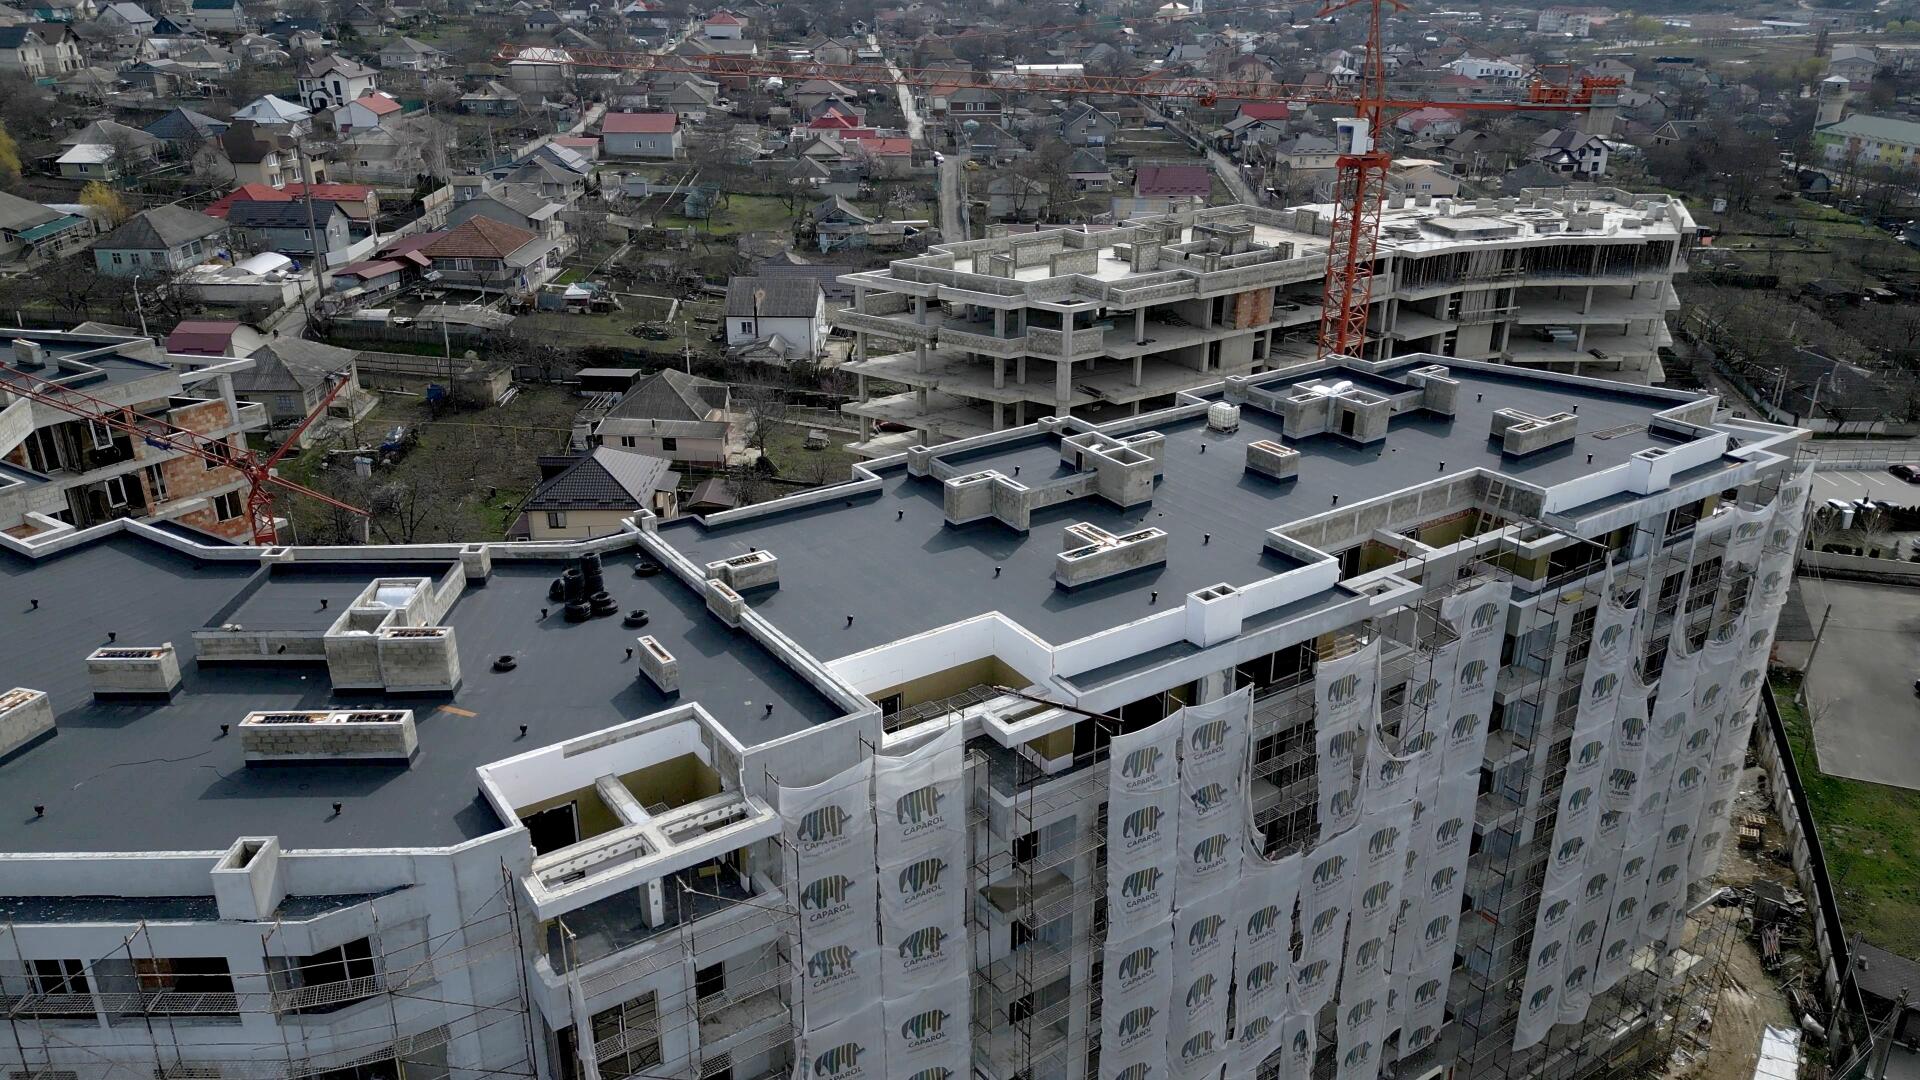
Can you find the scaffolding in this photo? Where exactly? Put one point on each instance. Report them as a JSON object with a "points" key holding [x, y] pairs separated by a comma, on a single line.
{"points": [[391, 971]]}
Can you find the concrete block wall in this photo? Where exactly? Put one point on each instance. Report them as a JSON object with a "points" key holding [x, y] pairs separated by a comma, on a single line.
{"points": [[1523, 433], [754, 570], [724, 602], [353, 660], [418, 658], [1273, 459], [25, 715], [1115, 555], [131, 669], [330, 736], [658, 664], [969, 497]]}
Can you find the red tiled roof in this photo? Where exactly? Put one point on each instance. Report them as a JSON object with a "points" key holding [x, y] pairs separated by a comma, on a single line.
{"points": [[246, 193], [834, 118], [638, 123], [1266, 110], [478, 238], [724, 18], [886, 147], [1174, 180], [202, 337], [377, 104]]}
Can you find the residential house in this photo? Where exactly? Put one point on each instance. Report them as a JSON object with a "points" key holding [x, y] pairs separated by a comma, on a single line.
{"points": [[1864, 139], [158, 242], [260, 50], [1433, 121], [694, 98], [971, 103], [407, 54], [1468, 151], [250, 154], [1495, 71], [1168, 189], [302, 229], [838, 52], [127, 18], [291, 376], [519, 205], [60, 11], [813, 92], [370, 19], [490, 98], [562, 179], [786, 314], [1087, 170], [220, 16], [214, 337], [183, 130], [275, 112], [1560, 19], [394, 153], [369, 110], [90, 161], [493, 256], [673, 415], [1572, 152], [1422, 176], [1855, 63], [640, 135], [1084, 125], [724, 25], [39, 51], [590, 495], [31, 232], [331, 80], [1012, 197]]}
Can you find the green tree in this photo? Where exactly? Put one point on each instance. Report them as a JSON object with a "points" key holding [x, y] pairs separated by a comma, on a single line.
{"points": [[9, 156], [105, 201]]}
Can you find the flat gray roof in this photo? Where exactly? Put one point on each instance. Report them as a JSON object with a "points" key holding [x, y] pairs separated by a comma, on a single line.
{"points": [[146, 776], [892, 562]]}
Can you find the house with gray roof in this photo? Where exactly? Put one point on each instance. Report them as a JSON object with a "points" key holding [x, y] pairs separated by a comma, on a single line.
{"points": [[29, 230], [294, 228], [672, 415], [290, 376], [159, 241], [785, 315], [588, 495]]}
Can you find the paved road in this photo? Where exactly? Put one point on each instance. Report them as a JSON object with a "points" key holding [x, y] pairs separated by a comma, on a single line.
{"points": [[916, 126], [1866, 720], [953, 205], [1876, 484]]}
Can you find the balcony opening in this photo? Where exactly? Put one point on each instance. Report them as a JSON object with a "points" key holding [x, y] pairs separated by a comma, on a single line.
{"points": [[325, 981]]}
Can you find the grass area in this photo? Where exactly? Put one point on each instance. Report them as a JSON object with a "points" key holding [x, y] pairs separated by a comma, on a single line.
{"points": [[1871, 835], [739, 214], [1826, 243], [464, 479], [786, 448], [570, 275]]}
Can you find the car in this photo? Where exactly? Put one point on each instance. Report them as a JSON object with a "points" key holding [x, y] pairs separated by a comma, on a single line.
{"points": [[1909, 473]]}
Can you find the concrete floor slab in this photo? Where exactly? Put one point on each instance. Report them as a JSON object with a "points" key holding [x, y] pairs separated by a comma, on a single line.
{"points": [[1860, 687]]}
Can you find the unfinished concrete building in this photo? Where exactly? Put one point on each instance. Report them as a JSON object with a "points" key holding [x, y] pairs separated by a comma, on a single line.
{"points": [[990, 334], [60, 472], [902, 777]]}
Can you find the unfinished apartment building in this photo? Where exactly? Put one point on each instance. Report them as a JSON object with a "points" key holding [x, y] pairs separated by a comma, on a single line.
{"points": [[60, 472], [985, 335], [1012, 757]]}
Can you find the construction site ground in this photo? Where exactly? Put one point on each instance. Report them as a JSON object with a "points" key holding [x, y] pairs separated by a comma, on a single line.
{"points": [[1748, 999]]}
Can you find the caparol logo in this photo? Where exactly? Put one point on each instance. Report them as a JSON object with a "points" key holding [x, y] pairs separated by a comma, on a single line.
{"points": [[1142, 824], [1449, 830], [1205, 931], [1483, 616], [923, 1028], [1340, 804], [1360, 1013], [1261, 976], [1590, 752], [1263, 921], [1210, 852], [1465, 726], [823, 894], [1555, 913], [1310, 974], [1633, 730], [1596, 885], [1549, 953], [1584, 936], [1359, 1055], [938, 1072], [1208, 737], [1391, 770], [1437, 929], [1577, 799], [1570, 850], [1197, 1047], [1426, 992], [1626, 908], [1342, 744], [1442, 880], [1473, 673], [1612, 634], [1376, 896], [831, 962], [822, 825], [1367, 956], [1632, 867], [1255, 1030], [1137, 1071], [922, 945], [1201, 992], [922, 876], [1422, 694], [1575, 979], [1140, 883], [1541, 998], [1621, 781], [1208, 797], [842, 1061], [1342, 690], [1141, 764], [1324, 922], [1136, 1022], [919, 807], [1138, 964]]}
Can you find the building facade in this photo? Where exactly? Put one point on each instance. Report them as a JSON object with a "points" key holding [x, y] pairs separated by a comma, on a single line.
{"points": [[1414, 699], [991, 334], [60, 473]]}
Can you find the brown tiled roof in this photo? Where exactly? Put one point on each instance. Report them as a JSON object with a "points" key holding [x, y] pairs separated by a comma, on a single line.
{"points": [[478, 238]]}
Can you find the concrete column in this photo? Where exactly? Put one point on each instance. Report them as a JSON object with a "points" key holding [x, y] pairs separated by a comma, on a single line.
{"points": [[1020, 370], [920, 310], [999, 373], [1062, 387], [1140, 326], [860, 385], [1134, 410], [920, 398], [920, 357], [859, 345], [866, 428], [1139, 366], [999, 322], [999, 415], [1020, 413], [1586, 302], [1580, 339]]}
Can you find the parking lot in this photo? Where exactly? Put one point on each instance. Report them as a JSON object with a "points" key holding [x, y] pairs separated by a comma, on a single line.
{"points": [[1866, 718], [1876, 484]]}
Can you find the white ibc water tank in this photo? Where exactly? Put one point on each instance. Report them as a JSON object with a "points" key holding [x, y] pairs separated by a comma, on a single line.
{"points": [[1223, 417]]}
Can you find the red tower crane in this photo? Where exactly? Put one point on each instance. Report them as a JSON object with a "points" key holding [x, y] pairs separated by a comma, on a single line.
{"points": [[161, 435], [1361, 179]]}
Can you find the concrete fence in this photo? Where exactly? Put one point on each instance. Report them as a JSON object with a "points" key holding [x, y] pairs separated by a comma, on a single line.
{"points": [[1837, 565], [1789, 798]]}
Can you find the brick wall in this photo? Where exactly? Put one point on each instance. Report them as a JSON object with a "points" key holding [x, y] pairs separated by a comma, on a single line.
{"points": [[188, 476], [1252, 308]]}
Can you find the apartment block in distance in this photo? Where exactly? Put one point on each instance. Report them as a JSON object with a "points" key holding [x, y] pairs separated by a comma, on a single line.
{"points": [[60, 472], [1012, 757], [991, 334]]}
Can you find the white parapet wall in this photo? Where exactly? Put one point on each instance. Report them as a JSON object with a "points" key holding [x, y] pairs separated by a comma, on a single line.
{"points": [[122, 670]]}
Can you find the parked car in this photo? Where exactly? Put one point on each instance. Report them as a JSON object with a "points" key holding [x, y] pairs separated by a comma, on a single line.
{"points": [[1909, 473]]}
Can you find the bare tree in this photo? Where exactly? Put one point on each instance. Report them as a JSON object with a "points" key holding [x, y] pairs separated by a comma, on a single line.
{"points": [[759, 408]]}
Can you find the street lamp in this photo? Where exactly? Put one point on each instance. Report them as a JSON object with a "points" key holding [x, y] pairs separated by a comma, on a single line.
{"points": [[139, 308]]}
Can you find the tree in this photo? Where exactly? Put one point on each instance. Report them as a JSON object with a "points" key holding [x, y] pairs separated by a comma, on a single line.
{"points": [[106, 202], [10, 168], [760, 409]]}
